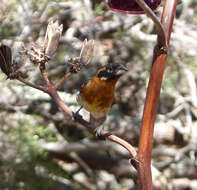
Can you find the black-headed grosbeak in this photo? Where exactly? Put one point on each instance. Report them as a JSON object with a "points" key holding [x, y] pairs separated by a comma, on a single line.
{"points": [[98, 94]]}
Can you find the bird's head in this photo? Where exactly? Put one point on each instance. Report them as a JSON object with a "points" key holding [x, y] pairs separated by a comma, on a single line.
{"points": [[111, 71]]}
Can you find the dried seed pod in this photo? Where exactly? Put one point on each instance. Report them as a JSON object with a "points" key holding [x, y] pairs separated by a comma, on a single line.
{"points": [[74, 65], [41, 54], [9, 67], [53, 34], [5, 59], [87, 52], [36, 54]]}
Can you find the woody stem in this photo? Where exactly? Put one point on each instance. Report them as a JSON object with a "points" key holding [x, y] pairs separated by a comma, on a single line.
{"points": [[31, 84], [152, 98]]}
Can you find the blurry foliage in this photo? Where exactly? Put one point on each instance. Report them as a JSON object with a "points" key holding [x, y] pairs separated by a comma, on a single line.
{"points": [[99, 9], [8, 30], [29, 167]]}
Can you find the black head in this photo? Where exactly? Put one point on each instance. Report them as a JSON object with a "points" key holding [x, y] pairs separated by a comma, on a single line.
{"points": [[111, 71]]}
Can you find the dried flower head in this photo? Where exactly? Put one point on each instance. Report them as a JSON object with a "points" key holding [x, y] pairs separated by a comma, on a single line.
{"points": [[53, 34], [74, 65], [36, 54], [9, 67], [86, 54], [41, 54]]}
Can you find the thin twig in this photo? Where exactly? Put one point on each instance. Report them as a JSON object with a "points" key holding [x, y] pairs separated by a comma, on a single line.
{"points": [[63, 79], [122, 142], [32, 85], [160, 29], [44, 75], [113, 138]]}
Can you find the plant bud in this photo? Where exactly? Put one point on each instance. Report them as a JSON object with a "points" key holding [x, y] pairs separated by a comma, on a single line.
{"points": [[131, 6]]}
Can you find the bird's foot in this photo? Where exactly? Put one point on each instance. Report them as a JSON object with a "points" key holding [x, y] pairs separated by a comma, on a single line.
{"points": [[76, 116], [98, 130]]}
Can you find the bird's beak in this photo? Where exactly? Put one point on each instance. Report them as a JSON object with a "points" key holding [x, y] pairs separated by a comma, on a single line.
{"points": [[121, 70]]}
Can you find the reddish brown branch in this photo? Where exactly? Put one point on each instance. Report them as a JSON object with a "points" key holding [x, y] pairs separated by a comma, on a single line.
{"points": [[32, 85], [160, 29], [152, 98], [63, 79], [53, 93], [44, 75], [167, 19], [122, 142]]}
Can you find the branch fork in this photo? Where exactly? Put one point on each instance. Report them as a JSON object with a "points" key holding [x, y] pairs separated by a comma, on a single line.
{"points": [[164, 29]]}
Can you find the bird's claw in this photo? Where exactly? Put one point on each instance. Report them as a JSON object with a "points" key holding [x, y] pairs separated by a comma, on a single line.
{"points": [[76, 116], [97, 131]]}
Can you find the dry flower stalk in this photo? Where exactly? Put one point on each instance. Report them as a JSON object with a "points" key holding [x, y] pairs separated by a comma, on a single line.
{"points": [[8, 66], [36, 54], [86, 54]]}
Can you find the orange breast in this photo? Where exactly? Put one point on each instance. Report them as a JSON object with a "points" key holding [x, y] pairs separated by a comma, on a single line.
{"points": [[97, 95]]}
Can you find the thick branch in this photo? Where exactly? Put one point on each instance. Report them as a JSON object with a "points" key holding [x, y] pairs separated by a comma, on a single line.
{"points": [[151, 103]]}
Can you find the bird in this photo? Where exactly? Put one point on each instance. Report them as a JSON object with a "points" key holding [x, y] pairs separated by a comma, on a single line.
{"points": [[97, 95]]}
